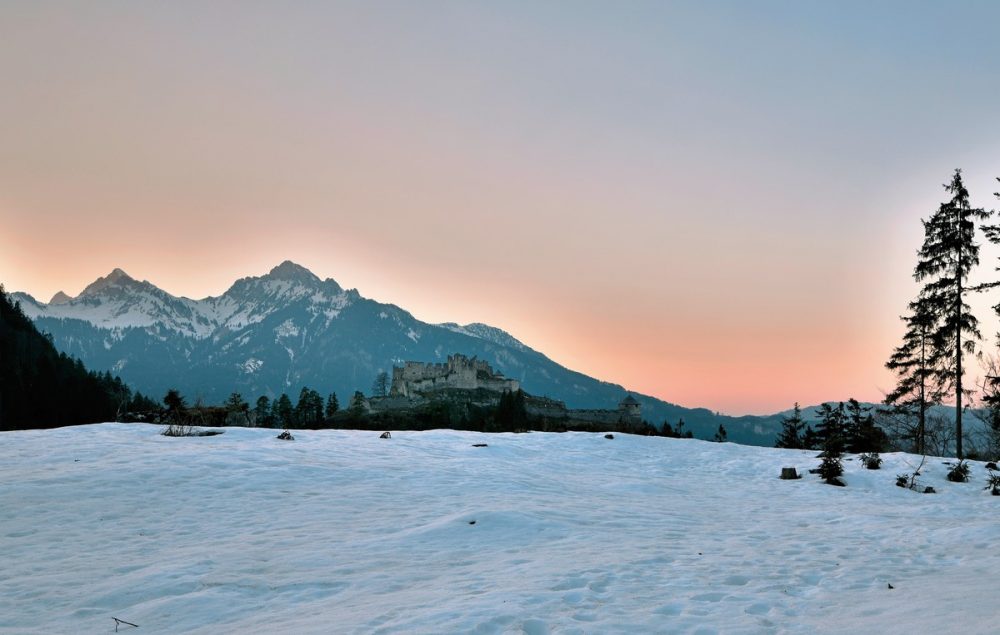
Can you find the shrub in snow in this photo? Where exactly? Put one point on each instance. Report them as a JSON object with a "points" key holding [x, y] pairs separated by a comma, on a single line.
{"points": [[285, 436], [871, 460], [959, 473], [909, 481], [178, 430], [176, 404], [993, 483]]}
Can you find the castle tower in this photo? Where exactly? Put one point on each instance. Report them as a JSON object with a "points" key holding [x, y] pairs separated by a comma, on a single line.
{"points": [[630, 409]]}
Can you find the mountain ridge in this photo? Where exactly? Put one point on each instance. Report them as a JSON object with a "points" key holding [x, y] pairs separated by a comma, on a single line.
{"points": [[289, 328]]}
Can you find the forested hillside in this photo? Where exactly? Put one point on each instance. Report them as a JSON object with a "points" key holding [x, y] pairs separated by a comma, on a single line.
{"points": [[43, 388]]}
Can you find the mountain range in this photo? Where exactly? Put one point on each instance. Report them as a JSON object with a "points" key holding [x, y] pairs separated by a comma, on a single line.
{"points": [[287, 329]]}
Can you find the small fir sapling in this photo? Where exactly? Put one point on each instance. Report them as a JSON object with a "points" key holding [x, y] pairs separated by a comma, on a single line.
{"points": [[871, 460], [959, 473], [909, 481], [831, 469], [993, 483]]}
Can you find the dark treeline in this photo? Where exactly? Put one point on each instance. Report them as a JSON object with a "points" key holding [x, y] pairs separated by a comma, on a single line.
{"points": [[841, 427], [311, 411], [43, 388]]}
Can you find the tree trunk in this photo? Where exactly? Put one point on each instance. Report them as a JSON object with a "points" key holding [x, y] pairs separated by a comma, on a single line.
{"points": [[789, 474], [958, 360], [921, 425]]}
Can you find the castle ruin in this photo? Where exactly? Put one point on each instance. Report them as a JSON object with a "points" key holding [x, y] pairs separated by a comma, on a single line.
{"points": [[418, 378]]}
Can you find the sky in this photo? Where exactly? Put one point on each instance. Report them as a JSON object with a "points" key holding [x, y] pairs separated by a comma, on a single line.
{"points": [[715, 203]]}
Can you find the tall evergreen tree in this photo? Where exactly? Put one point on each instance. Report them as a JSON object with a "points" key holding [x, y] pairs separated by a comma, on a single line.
{"points": [[380, 387], [357, 405], [862, 435], [947, 256], [141, 403], [262, 412], [792, 427], [511, 412], [832, 426], [283, 412], [175, 404], [235, 404], [332, 405], [915, 362], [309, 410]]}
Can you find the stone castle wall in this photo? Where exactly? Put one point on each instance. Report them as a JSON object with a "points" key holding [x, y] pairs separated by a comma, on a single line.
{"points": [[415, 378]]}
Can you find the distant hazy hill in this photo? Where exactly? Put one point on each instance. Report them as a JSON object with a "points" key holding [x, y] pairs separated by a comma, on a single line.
{"points": [[278, 332]]}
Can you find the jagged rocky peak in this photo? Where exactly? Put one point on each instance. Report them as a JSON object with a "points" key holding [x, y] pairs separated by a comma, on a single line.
{"points": [[298, 275], [116, 279], [288, 270], [60, 298]]}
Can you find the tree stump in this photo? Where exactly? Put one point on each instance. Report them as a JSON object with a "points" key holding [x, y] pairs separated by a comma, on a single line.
{"points": [[789, 474]]}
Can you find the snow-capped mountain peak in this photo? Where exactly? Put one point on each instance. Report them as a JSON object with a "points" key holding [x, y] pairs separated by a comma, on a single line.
{"points": [[290, 271], [60, 298], [117, 279], [488, 333]]}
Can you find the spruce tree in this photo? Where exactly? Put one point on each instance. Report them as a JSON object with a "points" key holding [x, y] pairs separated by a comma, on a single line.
{"points": [[680, 429], [721, 436], [832, 426], [915, 362], [862, 433], [810, 440], [947, 256], [283, 412], [236, 404], [175, 403], [380, 387], [831, 468], [791, 430], [332, 405], [262, 413]]}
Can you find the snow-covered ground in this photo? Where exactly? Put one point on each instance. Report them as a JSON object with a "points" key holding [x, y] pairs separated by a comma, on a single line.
{"points": [[345, 532]]}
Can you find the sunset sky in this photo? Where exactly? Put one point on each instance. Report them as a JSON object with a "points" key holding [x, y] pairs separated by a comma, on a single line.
{"points": [[714, 203]]}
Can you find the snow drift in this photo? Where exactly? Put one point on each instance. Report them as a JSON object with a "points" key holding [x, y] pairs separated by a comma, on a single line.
{"points": [[340, 531]]}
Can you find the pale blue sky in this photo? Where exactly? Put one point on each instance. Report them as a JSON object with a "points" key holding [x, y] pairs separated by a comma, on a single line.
{"points": [[675, 195]]}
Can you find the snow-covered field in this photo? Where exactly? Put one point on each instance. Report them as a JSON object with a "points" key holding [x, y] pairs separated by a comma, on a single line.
{"points": [[345, 532]]}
